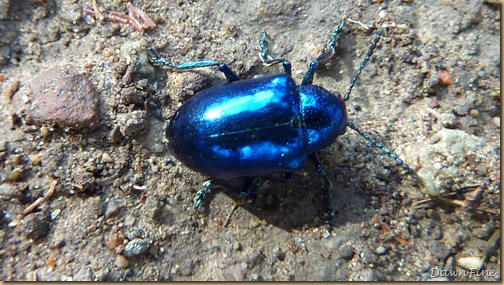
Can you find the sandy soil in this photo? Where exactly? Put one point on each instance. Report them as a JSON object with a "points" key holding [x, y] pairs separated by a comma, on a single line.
{"points": [[119, 206]]}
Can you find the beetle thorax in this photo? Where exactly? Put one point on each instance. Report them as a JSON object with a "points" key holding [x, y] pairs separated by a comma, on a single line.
{"points": [[323, 116]]}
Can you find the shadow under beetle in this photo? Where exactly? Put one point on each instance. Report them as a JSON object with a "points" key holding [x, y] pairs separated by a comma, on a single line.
{"points": [[258, 127]]}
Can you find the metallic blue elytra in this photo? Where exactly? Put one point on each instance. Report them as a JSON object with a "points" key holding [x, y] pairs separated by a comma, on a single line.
{"points": [[255, 127]]}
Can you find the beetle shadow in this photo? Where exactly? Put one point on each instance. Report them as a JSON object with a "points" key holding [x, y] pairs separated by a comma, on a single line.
{"points": [[300, 203]]}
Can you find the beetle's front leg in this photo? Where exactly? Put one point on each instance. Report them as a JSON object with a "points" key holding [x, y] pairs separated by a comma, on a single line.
{"points": [[268, 60], [328, 53], [154, 57], [328, 186]]}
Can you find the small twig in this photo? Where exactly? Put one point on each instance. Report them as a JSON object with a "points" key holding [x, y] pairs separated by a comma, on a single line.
{"points": [[491, 245], [229, 216], [137, 18], [366, 27], [97, 12], [41, 199], [387, 229]]}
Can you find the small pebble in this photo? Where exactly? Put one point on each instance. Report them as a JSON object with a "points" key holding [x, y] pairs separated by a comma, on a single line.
{"points": [[106, 158], [44, 131], [55, 213], [129, 221], [496, 121], [112, 209], [255, 224], [484, 232], [280, 255], [237, 246], [3, 146], [136, 247], [121, 261], [474, 113], [444, 78], [346, 251], [381, 250], [16, 159], [60, 95], [470, 262], [36, 159], [84, 274], [382, 14], [34, 227]]}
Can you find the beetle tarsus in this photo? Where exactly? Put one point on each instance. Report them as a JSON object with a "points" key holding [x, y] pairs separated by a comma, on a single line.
{"points": [[155, 58], [267, 60], [200, 196], [329, 51]]}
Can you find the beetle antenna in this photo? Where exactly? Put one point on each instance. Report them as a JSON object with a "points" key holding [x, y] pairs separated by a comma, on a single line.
{"points": [[380, 146], [361, 67]]}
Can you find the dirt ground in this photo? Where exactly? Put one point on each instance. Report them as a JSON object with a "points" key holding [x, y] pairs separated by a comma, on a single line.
{"points": [[83, 113]]}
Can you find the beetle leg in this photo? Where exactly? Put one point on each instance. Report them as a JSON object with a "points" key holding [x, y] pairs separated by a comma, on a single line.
{"points": [[267, 60], [154, 57], [328, 53], [200, 196], [328, 185]]}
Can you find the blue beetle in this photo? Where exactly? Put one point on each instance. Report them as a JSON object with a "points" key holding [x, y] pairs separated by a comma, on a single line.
{"points": [[257, 127]]}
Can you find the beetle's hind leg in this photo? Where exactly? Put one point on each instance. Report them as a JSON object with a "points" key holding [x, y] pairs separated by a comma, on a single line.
{"points": [[328, 53], [328, 186], [267, 60], [248, 190], [154, 57]]}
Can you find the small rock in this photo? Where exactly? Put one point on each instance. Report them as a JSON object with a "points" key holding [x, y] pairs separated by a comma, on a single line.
{"points": [[115, 135], [346, 251], [112, 209], [121, 261], [11, 190], [3, 146], [235, 272], [16, 159], [366, 274], [439, 250], [382, 14], [237, 246], [136, 247], [484, 232], [496, 121], [470, 262], [132, 95], [11, 89], [85, 180], [132, 122], [34, 227], [474, 113], [129, 221], [114, 239], [280, 255], [36, 159], [84, 274], [106, 158], [55, 214], [59, 95], [381, 250], [255, 223]]}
